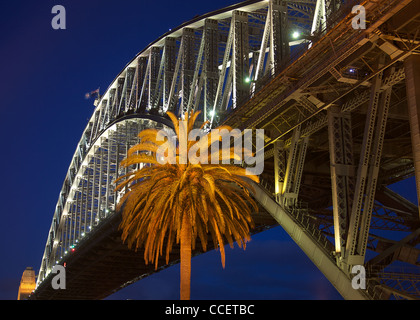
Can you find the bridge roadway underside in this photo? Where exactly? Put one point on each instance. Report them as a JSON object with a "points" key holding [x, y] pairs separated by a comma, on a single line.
{"points": [[103, 264]]}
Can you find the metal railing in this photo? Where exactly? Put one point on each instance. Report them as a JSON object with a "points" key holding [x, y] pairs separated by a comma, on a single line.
{"points": [[299, 212]]}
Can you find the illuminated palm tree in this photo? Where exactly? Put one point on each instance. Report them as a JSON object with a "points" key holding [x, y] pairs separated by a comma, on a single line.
{"points": [[176, 202]]}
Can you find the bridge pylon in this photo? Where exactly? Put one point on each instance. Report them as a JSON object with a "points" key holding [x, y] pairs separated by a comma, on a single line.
{"points": [[27, 284]]}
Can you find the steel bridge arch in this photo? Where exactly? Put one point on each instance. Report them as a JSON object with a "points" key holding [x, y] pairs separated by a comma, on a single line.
{"points": [[157, 79], [87, 194]]}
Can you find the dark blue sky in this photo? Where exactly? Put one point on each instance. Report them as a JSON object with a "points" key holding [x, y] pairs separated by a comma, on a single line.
{"points": [[44, 76]]}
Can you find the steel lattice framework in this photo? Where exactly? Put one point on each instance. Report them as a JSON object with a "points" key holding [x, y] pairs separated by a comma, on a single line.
{"points": [[337, 105]]}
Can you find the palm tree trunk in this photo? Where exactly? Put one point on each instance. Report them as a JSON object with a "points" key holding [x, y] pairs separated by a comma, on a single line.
{"points": [[185, 247]]}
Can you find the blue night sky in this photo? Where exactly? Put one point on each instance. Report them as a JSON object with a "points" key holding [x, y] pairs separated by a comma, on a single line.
{"points": [[45, 74]]}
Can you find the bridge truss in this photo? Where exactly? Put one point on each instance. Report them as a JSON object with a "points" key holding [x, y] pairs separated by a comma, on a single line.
{"points": [[340, 111]]}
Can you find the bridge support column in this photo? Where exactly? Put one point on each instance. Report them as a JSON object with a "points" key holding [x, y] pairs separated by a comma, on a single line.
{"points": [[318, 254], [332, 6], [169, 67], [367, 174], [141, 102], [210, 66], [412, 71], [294, 169], [27, 284], [342, 173], [188, 65], [240, 57], [276, 35], [319, 19], [279, 167], [153, 71], [290, 168], [279, 41]]}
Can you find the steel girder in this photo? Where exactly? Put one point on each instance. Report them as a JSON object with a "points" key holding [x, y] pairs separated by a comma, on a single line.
{"points": [[367, 175], [312, 242], [342, 173]]}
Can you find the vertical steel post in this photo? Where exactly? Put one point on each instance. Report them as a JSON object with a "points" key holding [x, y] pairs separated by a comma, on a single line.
{"points": [[352, 256], [101, 165], [153, 64], [289, 196], [240, 57], [211, 65], [342, 173], [108, 172], [279, 42], [141, 75], [169, 66], [78, 203], [279, 166], [86, 209], [374, 170], [188, 66], [367, 173], [222, 74], [94, 186]]}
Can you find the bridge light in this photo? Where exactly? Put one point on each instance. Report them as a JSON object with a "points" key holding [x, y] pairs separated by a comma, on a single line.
{"points": [[212, 113], [247, 79], [295, 34]]}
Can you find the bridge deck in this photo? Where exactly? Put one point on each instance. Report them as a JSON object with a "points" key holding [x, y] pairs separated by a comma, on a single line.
{"points": [[104, 265]]}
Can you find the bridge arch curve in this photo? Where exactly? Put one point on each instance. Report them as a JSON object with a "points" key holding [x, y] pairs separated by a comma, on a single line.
{"points": [[209, 63], [87, 196]]}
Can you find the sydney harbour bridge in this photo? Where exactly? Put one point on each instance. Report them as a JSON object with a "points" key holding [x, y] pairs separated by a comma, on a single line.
{"points": [[338, 97]]}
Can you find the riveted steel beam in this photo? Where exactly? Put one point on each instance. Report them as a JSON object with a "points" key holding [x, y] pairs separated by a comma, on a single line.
{"points": [[342, 173], [240, 57]]}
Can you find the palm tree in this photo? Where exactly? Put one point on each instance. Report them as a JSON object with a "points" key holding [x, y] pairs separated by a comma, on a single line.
{"points": [[168, 203]]}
